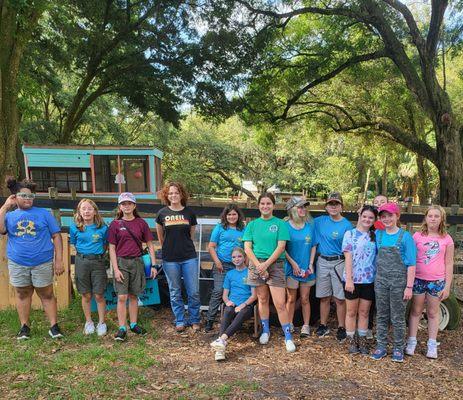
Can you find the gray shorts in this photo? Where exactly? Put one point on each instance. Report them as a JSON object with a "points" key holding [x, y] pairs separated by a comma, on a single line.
{"points": [[292, 283], [39, 276], [329, 274], [91, 275], [275, 278], [134, 282]]}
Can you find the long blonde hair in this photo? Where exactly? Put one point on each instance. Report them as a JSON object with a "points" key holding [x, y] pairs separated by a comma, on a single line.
{"points": [[443, 221], [293, 216], [80, 221]]}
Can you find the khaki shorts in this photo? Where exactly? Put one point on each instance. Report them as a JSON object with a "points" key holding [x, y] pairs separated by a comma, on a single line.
{"points": [[134, 282], [328, 279], [292, 283], [39, 276], [276, 275], [91, 276]]}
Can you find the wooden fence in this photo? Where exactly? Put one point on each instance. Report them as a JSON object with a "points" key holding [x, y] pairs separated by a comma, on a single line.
{"points": [[62, 284]]}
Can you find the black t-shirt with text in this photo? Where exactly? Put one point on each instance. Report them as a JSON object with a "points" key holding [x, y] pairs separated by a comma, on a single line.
{"points": [[178, 244]]}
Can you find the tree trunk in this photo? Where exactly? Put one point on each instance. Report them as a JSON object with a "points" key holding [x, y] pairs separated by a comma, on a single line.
{"points": [[384, 178], [450, 163], [423, 185], [14, 35]]}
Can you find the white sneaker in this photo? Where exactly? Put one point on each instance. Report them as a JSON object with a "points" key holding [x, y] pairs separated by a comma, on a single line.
{"points": [[432, 352], [290, 346], [220, 355], [410, 348], [264, 338], [305, 331], [89, 328], [219, 344], [101, 329]]}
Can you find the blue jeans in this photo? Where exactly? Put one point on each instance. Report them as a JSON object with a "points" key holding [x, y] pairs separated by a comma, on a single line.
{"points": [[174, 271]]}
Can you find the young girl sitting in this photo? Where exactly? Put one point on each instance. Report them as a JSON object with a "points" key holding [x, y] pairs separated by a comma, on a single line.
{"points": [[239, 301], [89, 234], [434, 272], [395, 275], [126, 234]]}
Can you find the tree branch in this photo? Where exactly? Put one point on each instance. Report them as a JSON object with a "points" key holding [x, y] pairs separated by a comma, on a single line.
{"points": [[350, 62], [415, 33], [435, 25]]}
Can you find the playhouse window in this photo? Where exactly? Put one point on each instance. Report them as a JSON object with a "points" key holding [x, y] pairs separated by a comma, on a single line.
{"points": [[131, 172], [63, 179]]}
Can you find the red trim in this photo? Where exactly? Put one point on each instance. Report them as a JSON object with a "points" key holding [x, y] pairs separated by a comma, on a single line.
{"points": [[92, 171]]}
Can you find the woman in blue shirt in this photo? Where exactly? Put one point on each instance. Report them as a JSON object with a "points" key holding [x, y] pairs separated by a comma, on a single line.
{"points": [[89, 235], [298, 265], [225, 237]]}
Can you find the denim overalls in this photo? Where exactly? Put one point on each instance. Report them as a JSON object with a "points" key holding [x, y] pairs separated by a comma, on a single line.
{"points": [[390, 284]]}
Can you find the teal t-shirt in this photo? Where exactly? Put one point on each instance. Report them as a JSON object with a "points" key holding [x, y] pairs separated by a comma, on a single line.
{"points": [[92, 240], [407, 245], [226, 239], [329, 234], [235, 282], [265, 235]]}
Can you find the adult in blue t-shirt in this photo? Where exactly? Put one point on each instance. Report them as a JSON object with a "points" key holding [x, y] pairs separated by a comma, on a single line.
{"points": [[34, 240], [329, 233], [298, 266], [225, 236]]}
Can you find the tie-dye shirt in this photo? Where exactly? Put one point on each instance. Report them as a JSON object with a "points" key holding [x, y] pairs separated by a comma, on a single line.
{"points": [[430, 260], [363, 252]]}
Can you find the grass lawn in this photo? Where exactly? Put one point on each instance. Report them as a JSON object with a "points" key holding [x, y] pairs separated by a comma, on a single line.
{"points": [[82, 367]]}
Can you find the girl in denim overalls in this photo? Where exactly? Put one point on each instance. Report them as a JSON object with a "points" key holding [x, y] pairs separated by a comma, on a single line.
{"points": [[395, 275]]}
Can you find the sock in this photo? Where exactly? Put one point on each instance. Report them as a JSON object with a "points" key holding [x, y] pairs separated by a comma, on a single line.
{"points": [[123, 328], [362, 332], [133, 325], [287, 331], [411, 340], [265, 326], [350, 334], [432, 342]]}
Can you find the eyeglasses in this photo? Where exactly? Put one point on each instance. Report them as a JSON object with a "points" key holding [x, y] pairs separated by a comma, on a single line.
{"points": [[25, 196]]}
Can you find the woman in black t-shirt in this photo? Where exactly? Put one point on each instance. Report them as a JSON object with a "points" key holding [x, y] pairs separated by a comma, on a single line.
{"points": [[175, 226]]}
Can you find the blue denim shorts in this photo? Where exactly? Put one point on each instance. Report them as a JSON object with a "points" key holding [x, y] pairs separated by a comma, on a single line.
{"points": [[433, 288]]}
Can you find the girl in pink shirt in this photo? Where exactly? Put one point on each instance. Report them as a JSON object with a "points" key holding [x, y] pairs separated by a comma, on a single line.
{"points": [[434, 272]]}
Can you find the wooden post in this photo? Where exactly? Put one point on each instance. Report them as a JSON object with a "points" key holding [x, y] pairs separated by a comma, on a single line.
{"points": [[53, 194], [409, 201]]}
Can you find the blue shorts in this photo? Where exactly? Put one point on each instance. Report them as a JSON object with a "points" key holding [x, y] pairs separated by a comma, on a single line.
{"points": [[433, 288]]}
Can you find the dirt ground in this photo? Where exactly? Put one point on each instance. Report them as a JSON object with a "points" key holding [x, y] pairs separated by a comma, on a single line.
{"points": [[321, 368]]}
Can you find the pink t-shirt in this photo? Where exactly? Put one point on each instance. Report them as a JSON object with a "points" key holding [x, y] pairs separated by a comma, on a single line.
{"points": [[430, 258]]}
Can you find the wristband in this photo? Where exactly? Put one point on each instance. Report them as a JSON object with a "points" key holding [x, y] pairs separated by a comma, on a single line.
{"points": [[409, 287]]}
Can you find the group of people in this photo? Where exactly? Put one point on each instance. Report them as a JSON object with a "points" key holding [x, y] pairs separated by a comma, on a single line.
{"points": [[375, 267]]}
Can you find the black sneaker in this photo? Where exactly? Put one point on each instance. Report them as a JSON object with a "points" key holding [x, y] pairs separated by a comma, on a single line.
{"points": [[322, 330], [137, 329], [55, 332], [352, 345], [209, 326], [24, 333], [120, 335], [341, 334]]}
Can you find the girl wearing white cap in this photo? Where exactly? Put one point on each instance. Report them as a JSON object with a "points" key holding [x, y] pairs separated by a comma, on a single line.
{"points": [[126, 235]]}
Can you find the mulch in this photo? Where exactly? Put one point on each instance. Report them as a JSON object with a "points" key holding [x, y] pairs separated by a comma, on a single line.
{"points": [[320, 368]]}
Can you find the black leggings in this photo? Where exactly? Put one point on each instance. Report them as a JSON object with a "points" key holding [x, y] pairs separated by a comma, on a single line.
{"points": [[232, 321]]}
